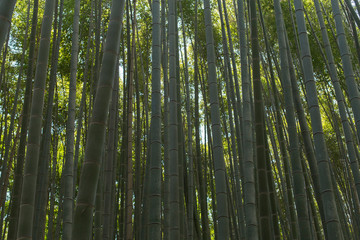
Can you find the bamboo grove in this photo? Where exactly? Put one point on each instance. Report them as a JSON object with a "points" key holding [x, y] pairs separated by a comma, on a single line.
{"points": [[179, 119]]}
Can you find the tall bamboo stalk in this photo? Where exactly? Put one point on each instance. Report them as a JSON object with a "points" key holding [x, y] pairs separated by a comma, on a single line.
{"points": [[154, 220], [173, 127], [33, 146], [96, 133], [297, 171], [326, 185], [217, 148]]}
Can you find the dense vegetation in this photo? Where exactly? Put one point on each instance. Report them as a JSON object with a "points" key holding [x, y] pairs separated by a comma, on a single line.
{"points": [[179, 119]]}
